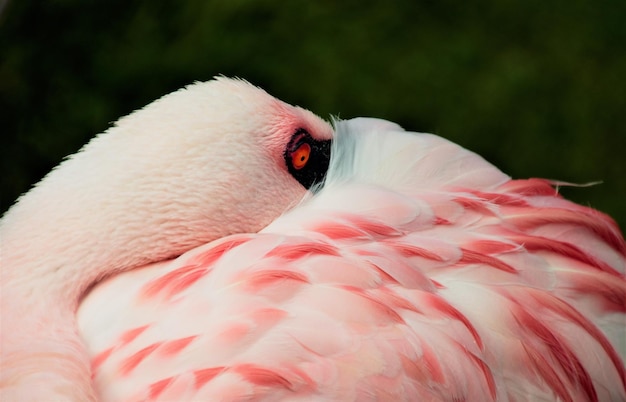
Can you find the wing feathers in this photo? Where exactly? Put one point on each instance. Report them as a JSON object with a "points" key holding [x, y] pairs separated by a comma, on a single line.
{"points": [[451, 284]]}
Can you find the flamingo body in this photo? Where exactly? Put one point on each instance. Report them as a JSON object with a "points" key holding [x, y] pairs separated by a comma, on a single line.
{"points": [[417, 272]]}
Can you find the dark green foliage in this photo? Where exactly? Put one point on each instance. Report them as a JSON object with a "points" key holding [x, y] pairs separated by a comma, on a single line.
{"points": [[536, 87]]}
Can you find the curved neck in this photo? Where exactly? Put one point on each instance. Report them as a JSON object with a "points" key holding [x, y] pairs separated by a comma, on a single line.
{"points": [[44, 271], [41, 355], [48, 260]]}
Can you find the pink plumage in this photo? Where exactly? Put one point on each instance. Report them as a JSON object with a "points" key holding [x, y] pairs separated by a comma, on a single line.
{"points": [[418, 271], [421, 286]]}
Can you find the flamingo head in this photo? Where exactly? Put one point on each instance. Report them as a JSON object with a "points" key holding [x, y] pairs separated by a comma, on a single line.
{"points": [[209, 160]]}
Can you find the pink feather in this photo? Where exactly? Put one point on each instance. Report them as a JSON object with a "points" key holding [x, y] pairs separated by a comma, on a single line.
{"points": [[466, 289]]}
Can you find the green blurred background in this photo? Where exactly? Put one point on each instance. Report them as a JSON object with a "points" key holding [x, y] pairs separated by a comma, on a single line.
{"points": [[536, 87]]}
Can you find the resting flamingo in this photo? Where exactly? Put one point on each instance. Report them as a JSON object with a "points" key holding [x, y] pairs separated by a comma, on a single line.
{"points": [[191, 253]]}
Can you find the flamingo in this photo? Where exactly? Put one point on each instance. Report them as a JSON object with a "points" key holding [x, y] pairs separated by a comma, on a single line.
{"points": [[192, 252]]}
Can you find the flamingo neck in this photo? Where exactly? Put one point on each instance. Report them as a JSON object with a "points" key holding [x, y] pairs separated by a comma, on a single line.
{"points": [[49, 259], [44, 273], [42, 356]]}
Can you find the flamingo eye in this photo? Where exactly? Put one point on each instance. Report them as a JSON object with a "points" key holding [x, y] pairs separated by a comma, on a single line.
{"points": [[307, 158], [300, 156]]}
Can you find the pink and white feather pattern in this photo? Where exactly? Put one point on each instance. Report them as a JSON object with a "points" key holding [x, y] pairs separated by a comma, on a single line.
{"points": [[418, 272]]}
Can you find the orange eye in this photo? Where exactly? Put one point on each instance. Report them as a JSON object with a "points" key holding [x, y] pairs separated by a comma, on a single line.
{"points": [[300, 156]]}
